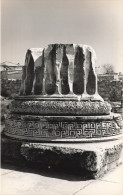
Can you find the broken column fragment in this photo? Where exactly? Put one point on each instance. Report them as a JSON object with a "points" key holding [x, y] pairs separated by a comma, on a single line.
{"points": [[65, 69]]}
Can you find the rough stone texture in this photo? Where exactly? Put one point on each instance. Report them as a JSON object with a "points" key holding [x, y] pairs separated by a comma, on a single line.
{"points": [[94, 159]]}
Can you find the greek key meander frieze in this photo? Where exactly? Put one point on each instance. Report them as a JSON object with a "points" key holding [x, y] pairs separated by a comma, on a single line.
{"points": [[45, 129]]}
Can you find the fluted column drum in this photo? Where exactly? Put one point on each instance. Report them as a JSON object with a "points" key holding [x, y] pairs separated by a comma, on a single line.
{"points": [[60, 69]]}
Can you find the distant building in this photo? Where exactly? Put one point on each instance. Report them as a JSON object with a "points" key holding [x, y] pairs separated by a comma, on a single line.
{"points": [[11, 71], [108, 76]]}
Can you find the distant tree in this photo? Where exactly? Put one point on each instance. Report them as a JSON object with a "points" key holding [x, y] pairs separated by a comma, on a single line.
{"points": [[108, 68], [113, 95], [104, 69]]}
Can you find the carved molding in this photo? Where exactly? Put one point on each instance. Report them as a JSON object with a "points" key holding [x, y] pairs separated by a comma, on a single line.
{"points": [[61, 107], [61, 128]]}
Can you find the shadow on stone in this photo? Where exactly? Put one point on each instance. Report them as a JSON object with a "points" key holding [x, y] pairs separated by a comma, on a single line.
{"points": [[64, 171]]}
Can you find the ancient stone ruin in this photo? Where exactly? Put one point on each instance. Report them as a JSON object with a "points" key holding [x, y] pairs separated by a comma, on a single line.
{"points": [[59, 107]]}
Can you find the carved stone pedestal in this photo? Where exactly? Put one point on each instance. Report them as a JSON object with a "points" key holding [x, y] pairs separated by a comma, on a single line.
{"points": [[59, 116]]}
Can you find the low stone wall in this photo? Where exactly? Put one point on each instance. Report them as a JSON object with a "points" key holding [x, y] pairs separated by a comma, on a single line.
{"points": [[109, 90]]}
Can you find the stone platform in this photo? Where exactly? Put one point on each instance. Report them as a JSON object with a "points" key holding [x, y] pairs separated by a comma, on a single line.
{"points": [[92, 159]]}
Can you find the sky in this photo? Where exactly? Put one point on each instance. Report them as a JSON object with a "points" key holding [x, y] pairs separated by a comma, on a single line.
{"points": [[36, 23]]}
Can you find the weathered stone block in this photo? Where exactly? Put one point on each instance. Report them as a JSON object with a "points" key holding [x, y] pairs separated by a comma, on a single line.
{"points": [[91, 160]]}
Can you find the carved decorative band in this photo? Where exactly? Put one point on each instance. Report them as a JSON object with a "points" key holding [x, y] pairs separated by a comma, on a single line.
{"points": [[53, 129], [61, 107]]}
